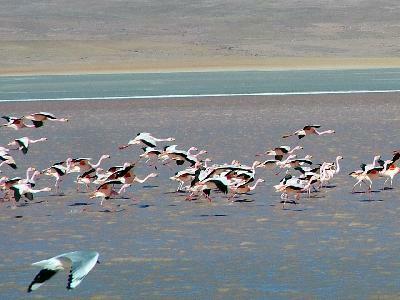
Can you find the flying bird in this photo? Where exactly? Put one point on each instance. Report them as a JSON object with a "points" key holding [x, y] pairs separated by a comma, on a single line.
{"points": [[17, 123], [38, 118], [23, 143], [308, 130], [146, 139], [77, 263]]}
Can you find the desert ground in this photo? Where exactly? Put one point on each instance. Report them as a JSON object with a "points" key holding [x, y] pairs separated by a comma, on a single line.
{"points": [[136, 36]]}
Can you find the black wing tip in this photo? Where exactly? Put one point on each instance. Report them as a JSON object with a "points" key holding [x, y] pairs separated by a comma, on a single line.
{"points": [[37, 123]]}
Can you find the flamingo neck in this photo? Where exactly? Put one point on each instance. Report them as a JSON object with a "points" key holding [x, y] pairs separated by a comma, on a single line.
{"points": [[323, 132], [337, 165], [142, 180], [255, 184], [99, 162]]}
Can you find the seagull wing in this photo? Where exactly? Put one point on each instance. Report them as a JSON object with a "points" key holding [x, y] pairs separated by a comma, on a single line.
{"points": [[50, 268], [82, 263], [41, 278]]}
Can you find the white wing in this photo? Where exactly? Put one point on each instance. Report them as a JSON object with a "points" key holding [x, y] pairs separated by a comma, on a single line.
{"points": [[50, 268], [82, 263]]}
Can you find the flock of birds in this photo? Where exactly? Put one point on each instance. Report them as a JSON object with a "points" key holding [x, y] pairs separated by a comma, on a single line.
{"points": [[197, 178]]}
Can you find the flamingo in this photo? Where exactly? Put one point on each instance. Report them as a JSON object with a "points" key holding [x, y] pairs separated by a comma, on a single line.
{"points": [[368, 173], [105, 191], [7, 183], [146, 139], [328, 170], [188, 174], [389, 170], [16, 123], [244, 188], [128, 180], [82, 165], [219, 182], [25, 189], [292, 186], [181, 156], [271, 164], [38, 118], [149, 154], [7, 159], [77, 263], [281, 151], [23, 143], [58, 171], [308, 130]]}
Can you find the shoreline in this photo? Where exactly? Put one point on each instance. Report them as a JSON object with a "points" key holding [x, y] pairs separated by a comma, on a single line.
{"points": [[204, 65]]}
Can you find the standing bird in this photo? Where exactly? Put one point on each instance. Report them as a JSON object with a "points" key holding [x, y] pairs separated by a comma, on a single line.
{"points": [[23, 143], [308, 130], [58, 171], [390, 169], [77, 263], [146, 139]]}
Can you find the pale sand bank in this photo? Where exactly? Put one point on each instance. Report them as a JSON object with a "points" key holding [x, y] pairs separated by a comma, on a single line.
{"points": [[75, 57]]}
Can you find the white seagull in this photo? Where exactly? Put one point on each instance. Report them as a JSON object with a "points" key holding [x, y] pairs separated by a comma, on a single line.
{"points": [[78, 263]]}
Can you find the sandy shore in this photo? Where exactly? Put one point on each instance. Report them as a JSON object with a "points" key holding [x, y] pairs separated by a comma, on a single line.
{"points": [[77, 57], [335, 244], [137, 36]]}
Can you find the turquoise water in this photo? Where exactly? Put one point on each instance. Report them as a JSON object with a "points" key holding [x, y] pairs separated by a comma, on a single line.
{"points": [[75, 87]]}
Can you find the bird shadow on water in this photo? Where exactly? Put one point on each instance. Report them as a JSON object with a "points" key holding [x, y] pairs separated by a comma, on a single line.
{"points": [[371, 200], [329, 186], [386, 188], [243, 201], [213, 215], [80, 204], [363, 192], [150, 186]]}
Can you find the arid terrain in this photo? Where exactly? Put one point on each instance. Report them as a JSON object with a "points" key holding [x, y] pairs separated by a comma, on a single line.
{"points": [[127, 36]]}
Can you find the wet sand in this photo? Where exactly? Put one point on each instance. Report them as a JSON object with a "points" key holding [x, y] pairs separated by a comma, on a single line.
{"points": [[333, 245]]}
